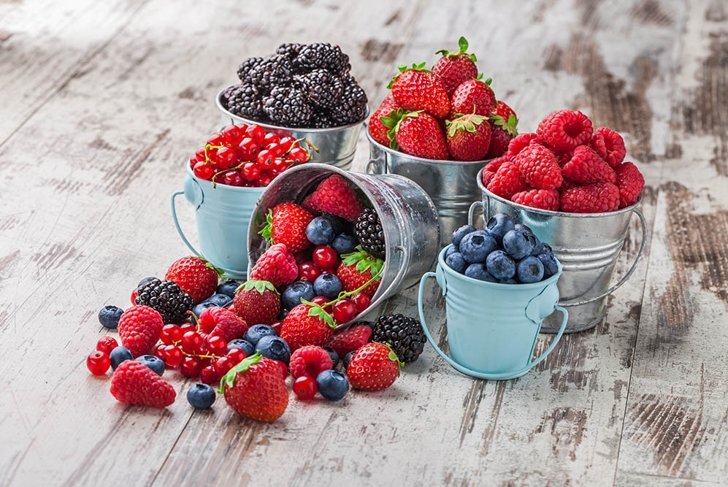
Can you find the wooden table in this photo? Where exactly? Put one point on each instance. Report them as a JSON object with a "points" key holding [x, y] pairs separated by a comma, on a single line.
{"points": [[103, 101]]}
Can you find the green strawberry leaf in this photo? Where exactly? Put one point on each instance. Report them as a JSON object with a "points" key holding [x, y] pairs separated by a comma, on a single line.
{"points": [[489, 81], [267, 231], [318, 312], [462, 49], [399, 115], [260, 286], [467, 123], [509, 126], [228, 380], [212, 266], [363, 261], [463, 44]]}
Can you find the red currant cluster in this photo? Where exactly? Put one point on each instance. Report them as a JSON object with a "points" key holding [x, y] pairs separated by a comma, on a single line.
{"points": [[247, 155]]}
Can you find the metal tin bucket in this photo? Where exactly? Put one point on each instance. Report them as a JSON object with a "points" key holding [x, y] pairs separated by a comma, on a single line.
{"points": [[586, 244], [492, 328], [336, 146], [450, 184], [409, 221], [222, 213]]}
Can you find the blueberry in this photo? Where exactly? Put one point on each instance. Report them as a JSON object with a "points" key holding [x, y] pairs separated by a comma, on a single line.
{"points": [[145, 281], [456, 262], [520, 227], [478, 271], [499, 224], [153, 362], [228, 288], [550, 266], [500, 265], [347, 359], [220, 300], [537, 247], [243, 345], [530, 270], [476, 246], [295, 292], [200, 307], [119, 355], [109, 316], [256, 332], [450, 250], [518, 244], [332, 385], [274, 347], [320, 231], [201, 396], [327, 285], [344, 243], [334, 356], [458, 234]]}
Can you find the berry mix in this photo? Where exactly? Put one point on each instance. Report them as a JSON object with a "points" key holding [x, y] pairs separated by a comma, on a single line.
{"points": [[247, 155], [301, 85], [504, 251], [566, 165], [446, 113]]}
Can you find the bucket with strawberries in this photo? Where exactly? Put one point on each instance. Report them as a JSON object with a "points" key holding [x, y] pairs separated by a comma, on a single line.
{"points": [[568, 182], [439, 127]]}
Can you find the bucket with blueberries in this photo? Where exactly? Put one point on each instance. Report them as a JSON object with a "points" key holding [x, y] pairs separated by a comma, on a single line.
{"points": [[499, 286]]}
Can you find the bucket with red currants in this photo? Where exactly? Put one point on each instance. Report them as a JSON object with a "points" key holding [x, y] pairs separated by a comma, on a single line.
{"points": [[224, 180]]}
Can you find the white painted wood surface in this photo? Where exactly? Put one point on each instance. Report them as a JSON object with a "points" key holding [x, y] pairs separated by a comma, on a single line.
{"points": [[103, 101]]}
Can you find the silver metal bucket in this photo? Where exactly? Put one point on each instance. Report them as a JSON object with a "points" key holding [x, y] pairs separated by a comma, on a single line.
{"points": [[450, 184], [336, 146], [409, 220], [586, 244]]}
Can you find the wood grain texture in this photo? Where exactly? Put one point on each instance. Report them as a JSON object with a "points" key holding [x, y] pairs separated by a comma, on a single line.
{"points": [[104, 100]]}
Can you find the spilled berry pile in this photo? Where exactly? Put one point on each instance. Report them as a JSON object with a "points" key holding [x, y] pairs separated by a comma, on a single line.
{"points": [[448, 112], [566, 165], [301, 85]]}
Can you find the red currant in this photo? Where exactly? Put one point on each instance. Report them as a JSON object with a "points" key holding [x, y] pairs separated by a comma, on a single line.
{"points": [[208, 375], [160, 351], [226, 158], [216, 345], [203, 171], [271, 138], [133, 296], [305, 388], [185, 327], [247, 149], [98, 363], [231, 135], [286, 143], [232, 178], [250, 171], [193, 161], [215, 139], [265, 179], [106, 344], [200, 155], [265, 158], [308, 271], [344, 311], [222, 365], [298, 154], [191, 342], [173, 356], [170, 334], [191, 367], [206, 321], [236, 356], [279, 165], [256, 132], [361, 301], [320, 300], [325, 257]]}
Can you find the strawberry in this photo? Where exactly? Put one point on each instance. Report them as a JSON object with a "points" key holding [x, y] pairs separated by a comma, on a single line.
{"points": [[139, 329], [373, 367], [257, 302], [468, 137], [473, 96], [286, 224], [419, 134], [357, 269], [277, 265], [135, 384], [503, 124], [307, 324], [455, 67], [195, 276], [334, 196], [256, 389], [377, 129], [418, 89], [228, 325], [351, 339]]}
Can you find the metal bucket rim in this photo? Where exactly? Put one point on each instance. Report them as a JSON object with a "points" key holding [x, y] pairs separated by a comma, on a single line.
{"points": [[218, 102], [237, 189], [421, 159], [497, 285], [562, 214]]}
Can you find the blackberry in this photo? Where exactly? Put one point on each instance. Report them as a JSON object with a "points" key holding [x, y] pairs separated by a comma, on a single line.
{"points": [[322, 88], [270, 73], [290, 50], [288, 107], [322, 55], [352, 106], [246, 66], [245, 101], [368, 230], [321, 120], [167, 298], [402, 333]]}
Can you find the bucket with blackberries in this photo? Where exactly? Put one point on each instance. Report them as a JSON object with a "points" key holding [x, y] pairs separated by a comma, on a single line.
{"points": [[304, 91], [499, 285], [571, 185]]}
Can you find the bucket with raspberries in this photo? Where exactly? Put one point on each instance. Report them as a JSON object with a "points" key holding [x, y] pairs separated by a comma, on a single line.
{"points": [[343, 241], [304, 91], [439, 127], [499, 285], [569, 183]]}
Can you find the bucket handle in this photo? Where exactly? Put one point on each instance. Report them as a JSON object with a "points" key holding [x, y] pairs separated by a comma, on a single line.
{"points": [[471, 212], [474, 373], [181, 233]]}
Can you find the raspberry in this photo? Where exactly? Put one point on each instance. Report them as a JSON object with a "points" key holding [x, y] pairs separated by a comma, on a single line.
{"points": [[351, 339], [309, 361], [565, 129], [277, 266], [586, 167], [597, 143], [520, 142], [539, 167], [491, 168], [564, 156], [136, 384], [228, 325], [507, 180], [139, 329], [614, 146], [630, 183], [592, 198], [545, 199]]}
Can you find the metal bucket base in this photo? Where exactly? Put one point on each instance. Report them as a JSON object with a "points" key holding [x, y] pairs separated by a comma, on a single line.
{"points": [[581, 318]]}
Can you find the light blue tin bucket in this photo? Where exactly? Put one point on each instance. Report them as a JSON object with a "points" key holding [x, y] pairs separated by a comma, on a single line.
{"points": [[492, 328], [223, 215]]}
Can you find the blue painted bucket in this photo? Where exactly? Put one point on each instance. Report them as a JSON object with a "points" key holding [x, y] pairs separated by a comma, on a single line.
{"points": [[223, 215], [492, 328]]}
